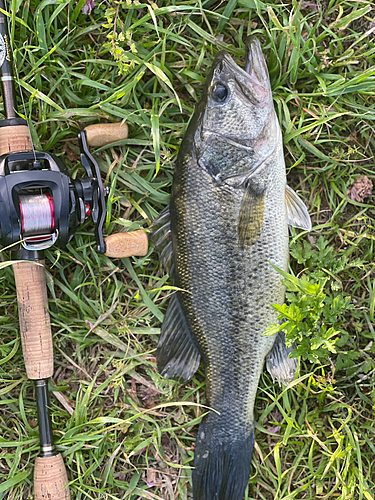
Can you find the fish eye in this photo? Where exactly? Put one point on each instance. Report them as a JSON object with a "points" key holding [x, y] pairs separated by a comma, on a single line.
{"points": [[219, 92]]}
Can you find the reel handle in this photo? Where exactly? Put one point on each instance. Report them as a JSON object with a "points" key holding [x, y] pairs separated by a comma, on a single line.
{"points": [[119, 245]]}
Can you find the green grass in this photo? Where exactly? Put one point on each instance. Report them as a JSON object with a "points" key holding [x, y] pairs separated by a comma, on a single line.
{"points": [[124, 431]]}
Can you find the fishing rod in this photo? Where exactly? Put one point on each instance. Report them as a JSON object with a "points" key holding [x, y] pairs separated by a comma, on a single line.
{"points": [[41, 206]]}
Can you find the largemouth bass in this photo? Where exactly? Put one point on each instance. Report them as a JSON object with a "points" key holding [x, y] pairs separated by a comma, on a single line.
{"points": [[228, 221]]}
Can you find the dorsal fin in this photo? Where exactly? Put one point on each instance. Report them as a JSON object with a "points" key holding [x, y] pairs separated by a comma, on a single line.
{"points": [[177, 357]]}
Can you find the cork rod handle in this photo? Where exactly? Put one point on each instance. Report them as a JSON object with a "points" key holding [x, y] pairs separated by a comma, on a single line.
{"points": [[34, 319], [15, 139], [50, 479]]}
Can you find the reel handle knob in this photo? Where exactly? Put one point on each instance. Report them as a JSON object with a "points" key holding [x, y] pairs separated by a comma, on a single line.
{"points": [[132, 244], [102, 134], [50, 479]]}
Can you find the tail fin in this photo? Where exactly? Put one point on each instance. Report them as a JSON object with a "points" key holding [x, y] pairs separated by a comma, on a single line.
{"points": [[222, 464]]}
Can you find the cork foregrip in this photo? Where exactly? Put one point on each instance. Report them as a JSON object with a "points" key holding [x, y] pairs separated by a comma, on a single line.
{"points": [[34, 319], [50, 479], [120, 245], [15, 139]]}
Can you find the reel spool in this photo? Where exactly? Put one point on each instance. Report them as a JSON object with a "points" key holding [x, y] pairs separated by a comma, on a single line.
{"points": [[37, 219], [37, 214]]}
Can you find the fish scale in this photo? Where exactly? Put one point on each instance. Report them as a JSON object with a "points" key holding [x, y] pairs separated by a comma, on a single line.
{"points": [[228, 224]]}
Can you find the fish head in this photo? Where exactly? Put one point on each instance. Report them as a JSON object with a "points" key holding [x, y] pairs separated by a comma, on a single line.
{"points": [[236, 115]]}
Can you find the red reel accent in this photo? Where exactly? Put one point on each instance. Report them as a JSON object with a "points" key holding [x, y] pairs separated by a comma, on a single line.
{"points": [[88, 210], [52, 207]]}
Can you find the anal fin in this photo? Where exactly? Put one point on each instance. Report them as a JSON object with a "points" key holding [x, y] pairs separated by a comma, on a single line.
{"points": [[177, 357], [279, 364]]}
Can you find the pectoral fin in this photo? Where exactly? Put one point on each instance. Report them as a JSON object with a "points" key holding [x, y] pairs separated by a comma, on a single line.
{"points": [[251, 216], [177, 357], [296, 210], [279, 364], [160, 235]]}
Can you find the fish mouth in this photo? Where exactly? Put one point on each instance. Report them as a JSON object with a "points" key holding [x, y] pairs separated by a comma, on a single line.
{"points": [[255, 64], [248, 56], [252, 82]]}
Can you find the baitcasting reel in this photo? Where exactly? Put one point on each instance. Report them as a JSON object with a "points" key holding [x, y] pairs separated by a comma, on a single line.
{"points": [[41, 206]]}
